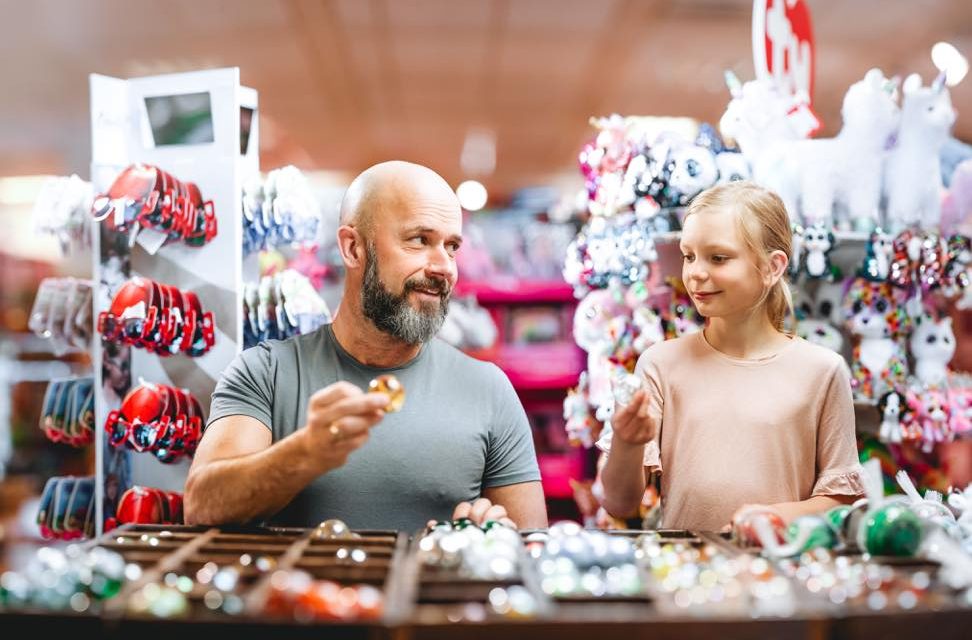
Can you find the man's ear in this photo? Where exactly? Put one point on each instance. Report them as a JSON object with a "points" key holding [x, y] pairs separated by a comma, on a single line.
{"points": [[351, 244]]}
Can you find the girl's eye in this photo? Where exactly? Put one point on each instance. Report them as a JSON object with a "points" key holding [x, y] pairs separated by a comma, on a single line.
{"points": [[719, 259]]}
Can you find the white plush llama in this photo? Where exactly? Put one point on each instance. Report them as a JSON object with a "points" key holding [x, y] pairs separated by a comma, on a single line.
{"points": [[812, 176], [913, 177]]}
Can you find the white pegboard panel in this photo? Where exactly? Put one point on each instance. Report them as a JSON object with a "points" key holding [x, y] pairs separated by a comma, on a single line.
{"points": [[122, 135]]}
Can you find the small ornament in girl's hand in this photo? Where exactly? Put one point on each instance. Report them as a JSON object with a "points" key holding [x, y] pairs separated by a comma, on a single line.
{"points": [[625, 386], [389, 384]]}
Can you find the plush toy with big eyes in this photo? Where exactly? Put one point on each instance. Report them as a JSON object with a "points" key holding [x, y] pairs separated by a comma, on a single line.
{"points": [[932, 344], [874, 314], [895, 413], [818, 242], [933, 415], [877, 259]]}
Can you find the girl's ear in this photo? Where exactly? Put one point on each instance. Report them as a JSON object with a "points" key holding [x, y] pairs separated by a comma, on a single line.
{"points": [[776, 267]]}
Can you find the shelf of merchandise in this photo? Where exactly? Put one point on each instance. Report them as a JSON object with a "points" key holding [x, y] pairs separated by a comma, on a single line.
{"points": [[541, 373]]}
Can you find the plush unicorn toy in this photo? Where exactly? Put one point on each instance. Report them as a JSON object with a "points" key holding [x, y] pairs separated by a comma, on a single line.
{"points": [[757, 116], [812, 176], [913, 177], [932, 345]]}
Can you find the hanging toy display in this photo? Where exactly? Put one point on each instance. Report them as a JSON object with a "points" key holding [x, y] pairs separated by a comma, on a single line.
{"points": [[144, 196], [279, 210], [875, 316], [159, 419], [158, 318], [607, 250]]}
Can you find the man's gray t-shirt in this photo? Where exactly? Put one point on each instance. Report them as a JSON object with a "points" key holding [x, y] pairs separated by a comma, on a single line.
{"points": [[462, 429]]}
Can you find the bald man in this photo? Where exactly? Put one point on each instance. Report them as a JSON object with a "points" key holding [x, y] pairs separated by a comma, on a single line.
{"points": [[293, 439]]}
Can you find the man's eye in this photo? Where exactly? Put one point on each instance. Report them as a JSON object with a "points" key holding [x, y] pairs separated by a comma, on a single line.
{"points": [[687, 258]]}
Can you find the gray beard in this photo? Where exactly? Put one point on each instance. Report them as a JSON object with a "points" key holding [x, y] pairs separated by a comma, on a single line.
{"points": [[393, 314]]}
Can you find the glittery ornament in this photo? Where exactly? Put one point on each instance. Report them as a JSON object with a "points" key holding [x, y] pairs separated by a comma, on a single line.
{"points": [[389, 385]]}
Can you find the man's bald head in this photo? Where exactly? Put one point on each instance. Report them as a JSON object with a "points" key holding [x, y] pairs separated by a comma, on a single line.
{"points": [[389, 187]]}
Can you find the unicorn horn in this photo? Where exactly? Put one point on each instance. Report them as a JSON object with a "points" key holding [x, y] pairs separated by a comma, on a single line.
{"points": [[735, 87], [939, 82]]}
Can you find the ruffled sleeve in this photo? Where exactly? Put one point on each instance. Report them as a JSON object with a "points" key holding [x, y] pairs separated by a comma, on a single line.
{"points": [[849, 482], [839, 471]]}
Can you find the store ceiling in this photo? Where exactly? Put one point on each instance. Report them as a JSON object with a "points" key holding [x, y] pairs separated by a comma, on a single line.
{"points": [[346, 83]]}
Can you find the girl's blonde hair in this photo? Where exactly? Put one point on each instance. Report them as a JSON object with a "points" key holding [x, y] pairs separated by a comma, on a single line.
{"points": [[763, 225]]}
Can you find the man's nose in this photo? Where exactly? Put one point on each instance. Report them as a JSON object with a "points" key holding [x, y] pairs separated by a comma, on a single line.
{"points": [[441, 264]]}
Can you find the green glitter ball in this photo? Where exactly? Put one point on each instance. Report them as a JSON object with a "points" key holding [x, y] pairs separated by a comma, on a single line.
{"points": [[892, 530]]}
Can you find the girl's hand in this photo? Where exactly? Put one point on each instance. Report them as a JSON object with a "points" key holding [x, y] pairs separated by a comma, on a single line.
{"points": [[631, 422]]}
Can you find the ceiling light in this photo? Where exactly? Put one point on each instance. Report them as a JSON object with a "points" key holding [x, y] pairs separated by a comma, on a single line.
{"points": [[948, 59], [472, 195]]}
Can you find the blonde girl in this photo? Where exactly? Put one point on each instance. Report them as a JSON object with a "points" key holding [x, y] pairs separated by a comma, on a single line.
{"points": [[741, 413]]}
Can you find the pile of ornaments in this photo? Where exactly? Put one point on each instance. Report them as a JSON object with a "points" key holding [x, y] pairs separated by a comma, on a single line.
{"points": [[72, 578], [491, 552], [701, 579], [278, 210], [576, 562], [298, 596]]}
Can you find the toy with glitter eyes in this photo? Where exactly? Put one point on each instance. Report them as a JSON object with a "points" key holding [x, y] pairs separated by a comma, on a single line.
{"points": [[894, 410], [877, 258], [960, 401], [874, 316], [932, 344], [957, 260], [818, 242], [933, 415], [913, 180], [813, 318], [687, 170]]}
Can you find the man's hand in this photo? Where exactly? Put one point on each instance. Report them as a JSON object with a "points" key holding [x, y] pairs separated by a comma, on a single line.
{"points": [[482, 510], [339, 418], [631, 422]]}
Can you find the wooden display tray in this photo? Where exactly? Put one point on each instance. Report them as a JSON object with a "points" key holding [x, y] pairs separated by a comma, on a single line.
{"points": [[425, 604]]}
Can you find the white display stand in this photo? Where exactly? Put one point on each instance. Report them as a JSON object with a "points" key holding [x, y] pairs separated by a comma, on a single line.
{"points": [[120, 136]]}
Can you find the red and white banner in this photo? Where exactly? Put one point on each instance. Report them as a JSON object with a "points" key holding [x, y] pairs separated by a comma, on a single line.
{"points": [[783, 50]]}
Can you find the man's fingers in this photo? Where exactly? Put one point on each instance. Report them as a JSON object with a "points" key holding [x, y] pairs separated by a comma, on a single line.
{"points": [[361, 405], [334, 392], [495, 512], [461, 511], [478, 511]]}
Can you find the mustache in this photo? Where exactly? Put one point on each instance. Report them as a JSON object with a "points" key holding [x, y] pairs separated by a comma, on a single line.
{"points": [[435, 285]]}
